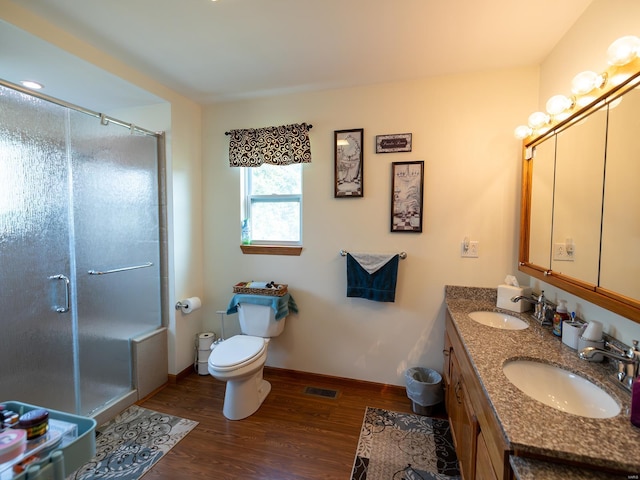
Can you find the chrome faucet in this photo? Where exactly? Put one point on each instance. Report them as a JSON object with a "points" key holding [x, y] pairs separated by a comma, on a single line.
{"points": [[628, 361], [543, 310]]}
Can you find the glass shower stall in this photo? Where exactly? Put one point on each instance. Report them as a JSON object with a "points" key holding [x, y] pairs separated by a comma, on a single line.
{"points": [[80, 251]]}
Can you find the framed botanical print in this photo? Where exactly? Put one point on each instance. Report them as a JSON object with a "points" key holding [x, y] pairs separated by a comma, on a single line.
{"points": [[348, 178], [407, 181]]}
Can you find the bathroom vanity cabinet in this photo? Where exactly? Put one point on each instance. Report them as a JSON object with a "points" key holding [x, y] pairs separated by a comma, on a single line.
{"points": [[482, 451], [502, 433]]}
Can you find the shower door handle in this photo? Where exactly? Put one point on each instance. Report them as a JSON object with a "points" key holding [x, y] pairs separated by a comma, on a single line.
{"points": [[66, 292]]}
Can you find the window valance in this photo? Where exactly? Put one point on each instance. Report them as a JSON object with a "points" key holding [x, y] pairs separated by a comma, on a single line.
{"points": [[283, 145]]}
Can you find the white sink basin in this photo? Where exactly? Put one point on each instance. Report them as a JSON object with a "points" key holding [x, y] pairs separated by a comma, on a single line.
{"points": [[561, 389], [499, 320]]}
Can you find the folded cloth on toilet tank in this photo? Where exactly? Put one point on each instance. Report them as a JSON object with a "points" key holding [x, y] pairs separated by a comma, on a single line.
{"points": [[280, 305]]}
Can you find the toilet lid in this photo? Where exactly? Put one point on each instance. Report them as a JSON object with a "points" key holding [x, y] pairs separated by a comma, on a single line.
{"points": [[236, 350]]}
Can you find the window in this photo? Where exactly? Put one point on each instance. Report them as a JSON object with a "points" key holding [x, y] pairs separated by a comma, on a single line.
{"points": [[272, 203]]}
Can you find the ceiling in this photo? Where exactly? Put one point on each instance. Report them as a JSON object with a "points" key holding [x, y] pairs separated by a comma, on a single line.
{"points": [[232, 49]]}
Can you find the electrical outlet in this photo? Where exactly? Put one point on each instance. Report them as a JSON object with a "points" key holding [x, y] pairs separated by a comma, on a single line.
{"points": [[561, 254], [471, 251]]}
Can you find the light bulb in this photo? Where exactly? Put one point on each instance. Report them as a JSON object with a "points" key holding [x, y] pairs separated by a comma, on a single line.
{"points": [[538, 119], [623, 50], [522, 132], [558, 104], [31, 84], [584, 82]]}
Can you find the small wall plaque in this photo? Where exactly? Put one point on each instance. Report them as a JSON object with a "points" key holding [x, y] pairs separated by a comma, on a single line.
{"points": [[398, 142]]}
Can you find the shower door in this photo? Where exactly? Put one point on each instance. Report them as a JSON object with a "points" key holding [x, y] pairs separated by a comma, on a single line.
{"points": [[36, 334], [79, 253], [116, 238]]}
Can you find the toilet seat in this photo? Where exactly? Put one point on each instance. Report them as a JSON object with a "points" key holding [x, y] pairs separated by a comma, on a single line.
{"points": [[236, 351]]}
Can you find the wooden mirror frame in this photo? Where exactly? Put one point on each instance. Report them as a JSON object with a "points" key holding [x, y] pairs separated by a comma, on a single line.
{"points": [[610, 300]]}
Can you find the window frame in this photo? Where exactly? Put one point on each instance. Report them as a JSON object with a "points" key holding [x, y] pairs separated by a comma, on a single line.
{"points": [[248, 200]]}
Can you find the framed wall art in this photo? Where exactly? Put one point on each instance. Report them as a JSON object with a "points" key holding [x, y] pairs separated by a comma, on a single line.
{"points": [[407, 181], [399, 142], [349, 163]]}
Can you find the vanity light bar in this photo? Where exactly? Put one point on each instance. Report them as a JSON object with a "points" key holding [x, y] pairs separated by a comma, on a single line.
{"points": [[620, 53]]}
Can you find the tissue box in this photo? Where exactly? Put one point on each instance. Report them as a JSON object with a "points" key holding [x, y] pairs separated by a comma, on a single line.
{"points": [[507, 292]]}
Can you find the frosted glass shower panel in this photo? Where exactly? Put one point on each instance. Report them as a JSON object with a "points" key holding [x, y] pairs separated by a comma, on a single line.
{"points": [[115, 210], [36, 345]]}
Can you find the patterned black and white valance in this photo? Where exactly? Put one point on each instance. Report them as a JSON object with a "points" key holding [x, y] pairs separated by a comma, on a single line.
{"points": [[282, 145]]}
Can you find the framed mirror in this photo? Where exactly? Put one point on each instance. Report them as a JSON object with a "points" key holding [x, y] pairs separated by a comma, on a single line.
{"points": [[620, 265], [577, 197], [581, 203]]}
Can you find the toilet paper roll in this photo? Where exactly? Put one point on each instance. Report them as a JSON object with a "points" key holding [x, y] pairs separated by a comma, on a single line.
{"points": [[593, 331], [203, 355], [202, 368], [190, 304], [205, 340]]}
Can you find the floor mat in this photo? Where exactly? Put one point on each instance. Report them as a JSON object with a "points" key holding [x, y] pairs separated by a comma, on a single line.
{"points": [[401, 446], [131, 443]]}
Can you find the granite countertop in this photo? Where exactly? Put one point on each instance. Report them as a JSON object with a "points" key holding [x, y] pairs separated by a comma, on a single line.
{"points": [[531, 428]]}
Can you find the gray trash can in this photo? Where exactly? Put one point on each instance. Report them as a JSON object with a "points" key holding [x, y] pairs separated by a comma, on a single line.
{"points": [[424, 389]]}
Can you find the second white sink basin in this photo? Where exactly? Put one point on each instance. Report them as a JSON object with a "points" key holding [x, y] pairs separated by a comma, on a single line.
{"points": [[560, 389], [499, 320]]}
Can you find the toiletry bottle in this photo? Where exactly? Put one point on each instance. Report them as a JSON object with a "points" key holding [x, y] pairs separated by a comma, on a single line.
{"points": [[560, 316], [246, 232], [635, 402]]}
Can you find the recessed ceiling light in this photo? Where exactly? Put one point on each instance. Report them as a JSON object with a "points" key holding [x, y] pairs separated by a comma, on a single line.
{"points": [[31, 84]]}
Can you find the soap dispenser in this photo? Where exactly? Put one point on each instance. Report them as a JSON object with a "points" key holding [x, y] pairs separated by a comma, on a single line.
{"points": [[561, 315]]}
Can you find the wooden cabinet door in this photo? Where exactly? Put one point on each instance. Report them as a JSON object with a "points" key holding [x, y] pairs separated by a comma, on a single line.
{"points": [[446, 370], [484, 468], [464, 425]]}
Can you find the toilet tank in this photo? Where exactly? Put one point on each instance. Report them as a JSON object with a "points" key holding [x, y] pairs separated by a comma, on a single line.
{"points": [[259, 320]]}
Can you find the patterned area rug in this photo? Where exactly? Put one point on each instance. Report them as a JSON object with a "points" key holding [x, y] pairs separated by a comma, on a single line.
{"points": [[130, 444], [401, 446]]}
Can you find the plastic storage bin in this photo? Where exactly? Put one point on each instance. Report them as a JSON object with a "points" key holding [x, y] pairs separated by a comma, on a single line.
{"points": [[66, 458], [424, 389]]}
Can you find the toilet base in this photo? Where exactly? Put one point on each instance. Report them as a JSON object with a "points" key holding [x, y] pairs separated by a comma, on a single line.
{"points": [[243, 397]]}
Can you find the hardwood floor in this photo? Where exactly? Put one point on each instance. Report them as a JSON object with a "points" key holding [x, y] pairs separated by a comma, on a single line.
{"points": [[292, 436]]}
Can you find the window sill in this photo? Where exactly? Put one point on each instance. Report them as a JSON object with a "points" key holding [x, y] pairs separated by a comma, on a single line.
{"points": [[270, 250]]}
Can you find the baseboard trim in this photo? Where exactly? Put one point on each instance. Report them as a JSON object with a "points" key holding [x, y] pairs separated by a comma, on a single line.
{"points": [[173, 379], [320, 378]]}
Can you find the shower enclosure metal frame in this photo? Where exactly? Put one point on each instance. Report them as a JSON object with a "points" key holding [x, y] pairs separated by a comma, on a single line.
{"points": [[85, 158]]}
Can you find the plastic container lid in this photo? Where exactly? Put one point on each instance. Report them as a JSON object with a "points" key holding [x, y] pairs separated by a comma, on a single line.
{"points": [[33, 417], [13, 443]]}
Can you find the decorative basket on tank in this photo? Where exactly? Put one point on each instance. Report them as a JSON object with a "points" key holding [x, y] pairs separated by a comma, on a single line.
{"points": [[256, 288]]}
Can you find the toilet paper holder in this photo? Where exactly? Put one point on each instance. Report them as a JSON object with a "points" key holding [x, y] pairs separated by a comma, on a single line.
{"points": [[188, 305]]}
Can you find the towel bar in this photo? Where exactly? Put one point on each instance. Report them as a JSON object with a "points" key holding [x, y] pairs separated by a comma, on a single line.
{"points": [[402, 255], [122, 269]]}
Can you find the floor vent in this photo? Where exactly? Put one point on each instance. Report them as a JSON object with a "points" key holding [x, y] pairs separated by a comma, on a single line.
{"points": [[321, 392]]}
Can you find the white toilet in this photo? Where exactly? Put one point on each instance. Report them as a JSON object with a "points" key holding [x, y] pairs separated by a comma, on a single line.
{"points": [[240, 360]]}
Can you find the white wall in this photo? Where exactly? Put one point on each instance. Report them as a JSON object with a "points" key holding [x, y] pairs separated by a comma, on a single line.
{"points": [[584, 47], [462, 128]]}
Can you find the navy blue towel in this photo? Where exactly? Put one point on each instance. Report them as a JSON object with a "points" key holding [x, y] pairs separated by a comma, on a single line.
{"points": [[379, 286]]}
